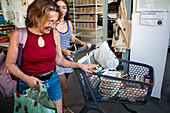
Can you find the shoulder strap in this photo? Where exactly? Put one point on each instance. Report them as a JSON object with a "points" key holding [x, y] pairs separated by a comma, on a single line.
{"points": [[68, 26], [22, 36], [2, 60]]}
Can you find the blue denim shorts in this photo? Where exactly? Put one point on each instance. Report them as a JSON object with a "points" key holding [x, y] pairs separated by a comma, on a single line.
{"points": [[52, 85]]}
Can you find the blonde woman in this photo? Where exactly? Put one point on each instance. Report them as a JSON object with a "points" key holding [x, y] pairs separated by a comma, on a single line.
{"points": [[42, 51]]}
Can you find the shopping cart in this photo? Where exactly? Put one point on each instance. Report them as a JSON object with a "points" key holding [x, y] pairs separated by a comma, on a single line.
{"points": [[97, 88]]}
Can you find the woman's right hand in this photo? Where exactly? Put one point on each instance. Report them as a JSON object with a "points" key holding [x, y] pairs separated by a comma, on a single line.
{"points": [[88, 45], [86, 67], [33, 81]]}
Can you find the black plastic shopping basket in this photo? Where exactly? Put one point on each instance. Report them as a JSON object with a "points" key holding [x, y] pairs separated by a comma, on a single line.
{"points": [[97, 87]]}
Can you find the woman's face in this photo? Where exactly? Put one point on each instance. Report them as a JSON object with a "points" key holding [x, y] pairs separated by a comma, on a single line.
{"points": [[63, 7], [51, 23]]}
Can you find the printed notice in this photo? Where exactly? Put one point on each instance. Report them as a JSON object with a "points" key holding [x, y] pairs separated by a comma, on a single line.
{"points": [[153, 18], [150, 5], [142, 5], [17, 16]]}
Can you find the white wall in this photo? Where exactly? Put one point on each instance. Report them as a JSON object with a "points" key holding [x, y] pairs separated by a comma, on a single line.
{"points": [[149, 45], [15, 5]]}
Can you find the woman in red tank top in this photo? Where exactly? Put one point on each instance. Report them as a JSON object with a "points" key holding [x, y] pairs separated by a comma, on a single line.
{"points": [[41, 52]]}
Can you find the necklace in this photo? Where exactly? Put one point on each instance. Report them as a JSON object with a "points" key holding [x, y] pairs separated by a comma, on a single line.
{"points": [[62, 23]]}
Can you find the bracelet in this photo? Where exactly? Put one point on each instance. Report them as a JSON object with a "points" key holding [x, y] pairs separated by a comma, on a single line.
{"points": [[71, 64]]}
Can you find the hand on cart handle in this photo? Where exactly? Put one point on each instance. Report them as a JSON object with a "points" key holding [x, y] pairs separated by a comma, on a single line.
{"points": [[88, 46], [67, 52], [84, 67], [74, 53], [79, 50]]}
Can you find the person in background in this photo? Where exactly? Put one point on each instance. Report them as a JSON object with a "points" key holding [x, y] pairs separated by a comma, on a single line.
{"points": [[65, 29], [42, 51]]}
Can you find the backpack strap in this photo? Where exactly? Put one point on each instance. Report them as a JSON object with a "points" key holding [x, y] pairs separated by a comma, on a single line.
{"points": [[22, 37]]}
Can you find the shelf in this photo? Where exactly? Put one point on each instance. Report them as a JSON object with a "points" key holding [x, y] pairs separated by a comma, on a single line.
{"points": [[1, 13], [4, 28], [70, 4], [5, 44], [109, 39], [88, 13], [112, 13], [89, 36], [85, 21], [87, 5], [98, 28]]}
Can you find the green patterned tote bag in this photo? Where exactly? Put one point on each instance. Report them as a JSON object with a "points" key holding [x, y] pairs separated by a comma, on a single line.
{"points": [[34, 101]]}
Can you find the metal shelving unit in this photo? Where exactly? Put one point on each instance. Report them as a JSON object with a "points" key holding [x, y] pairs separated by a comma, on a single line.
{"points": [[86, 18], [4, 29], [5, 44], [72, 14]]}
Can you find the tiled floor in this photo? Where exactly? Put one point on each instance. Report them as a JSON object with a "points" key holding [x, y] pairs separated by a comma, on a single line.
{"points": [[76, 102]]}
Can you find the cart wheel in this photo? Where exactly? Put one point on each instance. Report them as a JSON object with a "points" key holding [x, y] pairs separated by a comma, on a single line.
{"points": [[128, 109]]}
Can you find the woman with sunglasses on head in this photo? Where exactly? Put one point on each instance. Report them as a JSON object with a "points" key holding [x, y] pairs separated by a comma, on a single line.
{"points": [[66, 34], [41, 52]]}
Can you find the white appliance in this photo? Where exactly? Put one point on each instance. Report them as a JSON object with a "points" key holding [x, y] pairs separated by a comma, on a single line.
{"points": [[150, 45]]}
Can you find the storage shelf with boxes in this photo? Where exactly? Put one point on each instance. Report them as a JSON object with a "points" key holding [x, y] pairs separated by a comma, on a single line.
{"points": [[86, 19]]}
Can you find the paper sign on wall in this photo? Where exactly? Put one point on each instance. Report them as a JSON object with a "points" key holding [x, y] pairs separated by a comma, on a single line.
{"points": [[17, 16], [149, 5], [153, 18], [154, 1]]}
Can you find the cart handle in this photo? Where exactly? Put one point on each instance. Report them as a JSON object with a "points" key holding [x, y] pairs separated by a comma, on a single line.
{"points": [[79, 50]]}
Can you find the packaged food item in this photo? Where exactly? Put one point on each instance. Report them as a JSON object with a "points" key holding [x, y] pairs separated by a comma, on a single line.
{"points": [[139, 78], [96, 69], [122, 85], [142, 78], [136, 77], [126, 76], [109, 87], [147, 79], [132, 94]]}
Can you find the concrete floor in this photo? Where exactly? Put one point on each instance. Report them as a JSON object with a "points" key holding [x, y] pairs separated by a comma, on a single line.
{"points": [[155, 106], [76, 101]]}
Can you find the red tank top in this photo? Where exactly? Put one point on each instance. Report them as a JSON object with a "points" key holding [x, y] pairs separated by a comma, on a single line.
{"points": [[38, 60]]}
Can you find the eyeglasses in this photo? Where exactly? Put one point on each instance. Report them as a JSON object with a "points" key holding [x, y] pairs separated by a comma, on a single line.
{"points": [[52, 22]]}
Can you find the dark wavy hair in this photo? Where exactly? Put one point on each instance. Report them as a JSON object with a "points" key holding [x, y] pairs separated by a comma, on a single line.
{"points": [[67, 17], [40, 9]]}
